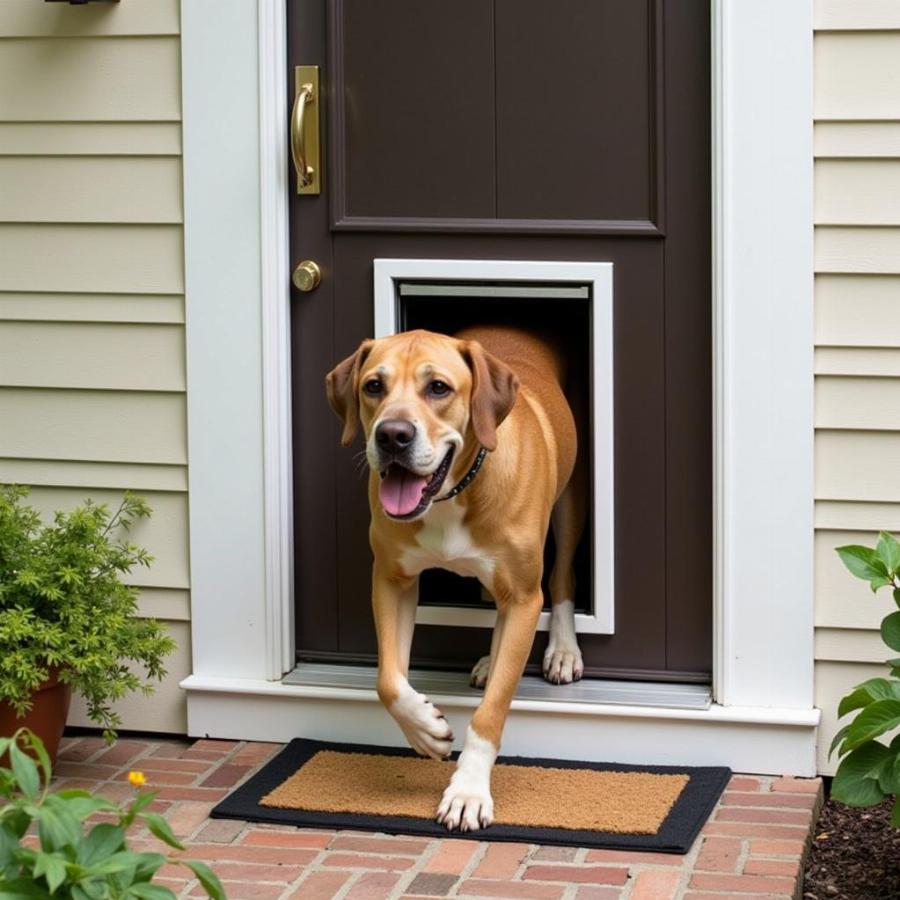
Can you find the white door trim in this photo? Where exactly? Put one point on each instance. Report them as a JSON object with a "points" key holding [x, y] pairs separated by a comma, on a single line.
{"points": [[233, 64], [598, 276]]}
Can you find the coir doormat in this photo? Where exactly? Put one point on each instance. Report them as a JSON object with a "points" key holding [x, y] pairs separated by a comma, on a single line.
{"points": [[540, 801]]}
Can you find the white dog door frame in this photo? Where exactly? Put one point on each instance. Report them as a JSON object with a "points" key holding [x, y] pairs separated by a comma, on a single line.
{"points": [[598, 279]]}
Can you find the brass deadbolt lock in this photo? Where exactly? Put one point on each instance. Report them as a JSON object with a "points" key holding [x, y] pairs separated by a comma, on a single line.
{"points": [[307, 276]]}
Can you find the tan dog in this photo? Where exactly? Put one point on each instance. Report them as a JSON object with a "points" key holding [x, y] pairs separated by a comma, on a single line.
{"points": [[430, 406]]}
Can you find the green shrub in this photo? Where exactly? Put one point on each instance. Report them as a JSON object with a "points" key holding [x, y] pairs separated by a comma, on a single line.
{"points": [[74, 859], [870, 769], [63, 604]]}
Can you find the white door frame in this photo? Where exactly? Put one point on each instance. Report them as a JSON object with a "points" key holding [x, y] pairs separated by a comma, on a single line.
{"points": [[237, 303]]}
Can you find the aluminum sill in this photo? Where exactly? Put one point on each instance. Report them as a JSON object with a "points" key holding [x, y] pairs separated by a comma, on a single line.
{"points": [[714, 714]]}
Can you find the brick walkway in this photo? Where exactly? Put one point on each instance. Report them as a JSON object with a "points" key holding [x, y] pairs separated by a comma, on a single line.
{"points": [[752, 847]]}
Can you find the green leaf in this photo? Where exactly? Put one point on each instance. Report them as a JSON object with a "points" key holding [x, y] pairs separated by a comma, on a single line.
{"points": [[856, 780], [140, 802], [895, 814], [22, 889], [146, 891], [207, 878], [857, 699], [875, 719], [861, 561], [837, 739], [890, 630], [102, 842], [26, 772], [867, 692], [57, 827], [161, 829], [37, 745], [148, 865], [889, 777], [888, 551], [118, 862], [52, 868], [897, 596]]}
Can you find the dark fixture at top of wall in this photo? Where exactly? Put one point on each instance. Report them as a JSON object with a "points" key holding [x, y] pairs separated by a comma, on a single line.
{"points": [[80, 2]]}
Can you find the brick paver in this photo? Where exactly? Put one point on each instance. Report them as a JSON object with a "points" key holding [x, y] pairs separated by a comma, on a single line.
{"points": [[753, 845]]}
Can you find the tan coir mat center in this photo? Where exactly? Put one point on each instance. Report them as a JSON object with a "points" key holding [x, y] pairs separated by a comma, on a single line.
{"points": [[576, 799]]}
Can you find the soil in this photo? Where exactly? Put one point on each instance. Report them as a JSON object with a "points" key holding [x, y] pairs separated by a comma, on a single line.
{"points": [[855, 854]]}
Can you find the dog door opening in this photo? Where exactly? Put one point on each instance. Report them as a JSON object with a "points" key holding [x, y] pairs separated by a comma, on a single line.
{"points": [[448, 308]]}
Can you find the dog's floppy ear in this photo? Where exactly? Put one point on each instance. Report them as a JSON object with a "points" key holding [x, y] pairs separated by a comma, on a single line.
{"points": [[494, 389], [342, 388]]}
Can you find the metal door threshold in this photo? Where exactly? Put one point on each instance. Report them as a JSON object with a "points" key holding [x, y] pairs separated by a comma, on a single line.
{"points": [[531, 687]]}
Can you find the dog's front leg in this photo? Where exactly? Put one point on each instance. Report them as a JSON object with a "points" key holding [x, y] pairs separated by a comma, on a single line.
{"points": [[467, 802], [394, 600]]}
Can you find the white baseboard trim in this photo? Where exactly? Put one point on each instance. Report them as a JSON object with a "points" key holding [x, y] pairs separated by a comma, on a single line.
{"points": [[767, 740]]}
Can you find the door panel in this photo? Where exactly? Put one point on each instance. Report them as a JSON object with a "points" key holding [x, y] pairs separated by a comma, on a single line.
{"points": [[414, 172], [576, 110], [414, 81]]}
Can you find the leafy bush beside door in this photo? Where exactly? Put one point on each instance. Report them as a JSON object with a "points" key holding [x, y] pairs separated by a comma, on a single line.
{"points": [[64, 608], [870, 768]]}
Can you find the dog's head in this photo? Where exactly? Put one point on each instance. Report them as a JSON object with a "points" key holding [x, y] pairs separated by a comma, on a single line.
{"points": [[419, 397]]}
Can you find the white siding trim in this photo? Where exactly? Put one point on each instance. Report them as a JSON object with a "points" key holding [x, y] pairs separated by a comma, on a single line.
{"points": [[763, 340], [276, 336], [223, 303]]}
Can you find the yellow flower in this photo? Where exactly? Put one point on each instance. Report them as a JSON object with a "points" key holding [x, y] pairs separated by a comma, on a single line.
{"points": [[137, 778]]}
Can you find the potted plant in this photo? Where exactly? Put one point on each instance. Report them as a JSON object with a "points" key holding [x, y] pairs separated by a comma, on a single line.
{"points": [[66, 619]]}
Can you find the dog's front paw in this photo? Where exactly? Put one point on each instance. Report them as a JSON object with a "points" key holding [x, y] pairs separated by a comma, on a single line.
{"points": [[467, 803], [478, 678], [562, 662], [424, 725]]}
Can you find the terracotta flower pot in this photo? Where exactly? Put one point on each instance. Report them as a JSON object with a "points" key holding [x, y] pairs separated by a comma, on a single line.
{"points": [[47, 718]]}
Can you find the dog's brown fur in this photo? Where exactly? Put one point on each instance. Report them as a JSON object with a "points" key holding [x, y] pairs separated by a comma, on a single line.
{"points": [[507, 396]]}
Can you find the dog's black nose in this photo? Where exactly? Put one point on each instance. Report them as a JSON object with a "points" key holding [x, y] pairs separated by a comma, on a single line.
{"points": [[395, 435]]}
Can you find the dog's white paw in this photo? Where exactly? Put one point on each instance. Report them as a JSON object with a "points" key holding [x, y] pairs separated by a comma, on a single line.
{"points": [[480, 671], [467, 803], [562, 658], [424, 725], [563, 664]]}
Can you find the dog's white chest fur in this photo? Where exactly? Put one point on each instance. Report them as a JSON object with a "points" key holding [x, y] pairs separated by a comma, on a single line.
{"points": [[444, 542]]}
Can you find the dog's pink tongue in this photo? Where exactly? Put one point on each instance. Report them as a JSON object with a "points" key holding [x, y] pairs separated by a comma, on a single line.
{"points": [[401, 491]]}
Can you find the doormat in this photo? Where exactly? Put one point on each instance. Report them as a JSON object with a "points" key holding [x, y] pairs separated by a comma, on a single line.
{"points": [[539, 801]]}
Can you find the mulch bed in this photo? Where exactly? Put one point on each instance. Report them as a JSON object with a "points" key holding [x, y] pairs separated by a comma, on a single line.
{"points": [[855, 855]]}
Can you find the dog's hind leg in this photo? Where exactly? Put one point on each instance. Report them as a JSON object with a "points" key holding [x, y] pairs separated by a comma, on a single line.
{"points": [[562, 660]]}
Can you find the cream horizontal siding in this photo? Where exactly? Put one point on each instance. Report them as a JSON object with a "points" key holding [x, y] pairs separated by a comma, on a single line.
{"points": [[857, 191], [857, 296], [92, 368], [857, 76], [87, 79], [852, 15], [90, 189], [23, 306], [103, 356], [144, 259]]}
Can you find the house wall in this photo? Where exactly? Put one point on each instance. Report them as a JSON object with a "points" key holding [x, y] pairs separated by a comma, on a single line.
{"points": [[92, 368], [857, 300]]}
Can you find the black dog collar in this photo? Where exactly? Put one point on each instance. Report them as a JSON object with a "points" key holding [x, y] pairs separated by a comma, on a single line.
{"points": [[467, 479]]}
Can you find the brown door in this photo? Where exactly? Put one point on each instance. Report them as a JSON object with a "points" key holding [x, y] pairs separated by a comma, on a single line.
{"points": [[516, 129]]}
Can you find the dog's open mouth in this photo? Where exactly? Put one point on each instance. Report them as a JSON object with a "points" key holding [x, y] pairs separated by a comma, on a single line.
{"points": [[404, 494]]}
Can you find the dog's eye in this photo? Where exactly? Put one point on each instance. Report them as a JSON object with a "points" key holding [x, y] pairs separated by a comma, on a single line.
{"points": [[438, 388], [373, 387]]}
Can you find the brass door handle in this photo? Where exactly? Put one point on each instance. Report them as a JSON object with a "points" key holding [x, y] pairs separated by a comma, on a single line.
{"points": [[305, 129], [307, 276]]}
